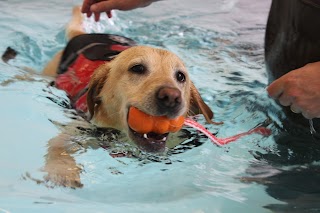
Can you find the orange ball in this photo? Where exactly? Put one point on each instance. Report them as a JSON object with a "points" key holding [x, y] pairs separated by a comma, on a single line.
{"points": [[144, 123]]}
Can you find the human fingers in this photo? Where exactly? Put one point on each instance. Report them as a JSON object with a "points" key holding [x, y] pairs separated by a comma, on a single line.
{"points": [[96, 16], [295, 109], [86, 6], [109, 14], [310, 113], [307, 115], [104, 6], [275, 89], [89, 14], [286, 100]]}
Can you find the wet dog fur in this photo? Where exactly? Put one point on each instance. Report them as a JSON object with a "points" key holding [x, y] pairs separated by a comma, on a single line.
{"points": [[135, 77]]}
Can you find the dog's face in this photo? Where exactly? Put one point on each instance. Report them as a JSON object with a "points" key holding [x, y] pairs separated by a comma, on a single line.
{"points": [[153, 80]]}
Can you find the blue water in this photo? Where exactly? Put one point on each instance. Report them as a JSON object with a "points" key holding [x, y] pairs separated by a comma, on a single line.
{"points": [[221, 43]]}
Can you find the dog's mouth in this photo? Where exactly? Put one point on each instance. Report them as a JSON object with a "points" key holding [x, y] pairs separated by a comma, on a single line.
{"points": [[150, 132], [149, 142]]}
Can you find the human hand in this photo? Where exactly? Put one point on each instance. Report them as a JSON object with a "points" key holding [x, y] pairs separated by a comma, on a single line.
{"points": [[99, 6], [299, 89]]}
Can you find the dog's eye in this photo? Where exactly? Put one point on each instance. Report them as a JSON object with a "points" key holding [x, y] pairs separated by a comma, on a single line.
{"points": [[139, 69], [180, 77]]}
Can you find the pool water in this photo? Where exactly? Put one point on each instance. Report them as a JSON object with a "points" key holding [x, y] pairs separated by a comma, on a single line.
{"points": [[221, 43]]}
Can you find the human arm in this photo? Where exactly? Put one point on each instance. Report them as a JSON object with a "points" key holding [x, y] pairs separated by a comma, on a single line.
{"points": [[299, 89], [97, 7]]}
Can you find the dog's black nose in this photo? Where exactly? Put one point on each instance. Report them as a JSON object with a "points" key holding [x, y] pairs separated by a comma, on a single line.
{"points": [[168, 99]]}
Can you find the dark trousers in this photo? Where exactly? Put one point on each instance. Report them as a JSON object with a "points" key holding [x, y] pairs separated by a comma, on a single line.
{"points": [[292, 40]]}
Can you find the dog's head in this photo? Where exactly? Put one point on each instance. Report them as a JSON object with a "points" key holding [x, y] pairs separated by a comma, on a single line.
{"points": [[155, 81]]}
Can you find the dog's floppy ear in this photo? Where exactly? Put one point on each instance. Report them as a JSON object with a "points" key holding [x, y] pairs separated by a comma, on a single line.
{"points": [[198, 106], [97, 81]]}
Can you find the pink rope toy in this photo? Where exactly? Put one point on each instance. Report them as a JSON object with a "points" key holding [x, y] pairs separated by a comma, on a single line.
{"points": [[223, 141]]}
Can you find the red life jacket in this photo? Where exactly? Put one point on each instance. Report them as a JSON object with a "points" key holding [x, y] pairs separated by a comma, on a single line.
{"points": [[82, 56], [75, 81]]}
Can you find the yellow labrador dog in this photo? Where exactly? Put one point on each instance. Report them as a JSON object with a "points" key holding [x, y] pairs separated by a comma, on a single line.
{"points": [[105, 75]]}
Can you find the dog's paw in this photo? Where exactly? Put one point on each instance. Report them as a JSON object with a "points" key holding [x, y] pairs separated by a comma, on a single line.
{"points": [[61, 175]]}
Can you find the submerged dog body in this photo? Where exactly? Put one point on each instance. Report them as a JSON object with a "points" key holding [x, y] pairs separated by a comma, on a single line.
{"points": [[152, 80], [107, 75]]}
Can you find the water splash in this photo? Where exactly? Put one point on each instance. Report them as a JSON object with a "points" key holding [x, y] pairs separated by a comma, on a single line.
{"points": [[312, 130]]}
